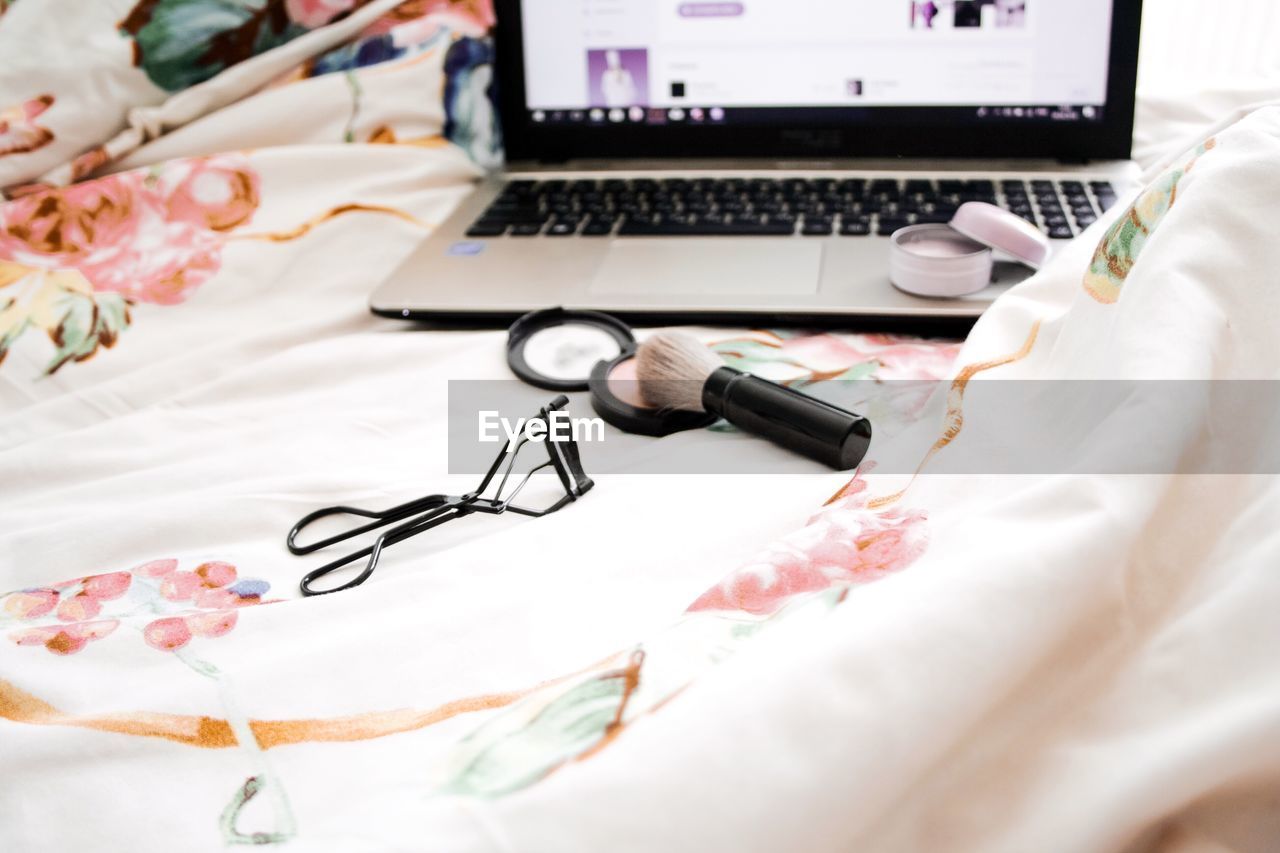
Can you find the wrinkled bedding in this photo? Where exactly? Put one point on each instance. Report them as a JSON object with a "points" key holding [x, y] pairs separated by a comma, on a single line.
{"points": [[888, 662]]}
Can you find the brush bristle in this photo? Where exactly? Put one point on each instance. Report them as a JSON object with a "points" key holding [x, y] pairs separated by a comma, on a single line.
{"points": [[671, 368]]}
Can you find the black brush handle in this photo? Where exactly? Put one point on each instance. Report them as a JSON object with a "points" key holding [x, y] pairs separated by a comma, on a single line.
{"points": [[796, 421]]}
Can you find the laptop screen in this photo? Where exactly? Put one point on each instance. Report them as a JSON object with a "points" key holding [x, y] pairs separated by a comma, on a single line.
{"points": [[705, 62]]}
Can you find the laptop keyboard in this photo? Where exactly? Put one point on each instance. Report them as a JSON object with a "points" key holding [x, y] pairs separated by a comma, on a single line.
{"points": [[813, 207]]}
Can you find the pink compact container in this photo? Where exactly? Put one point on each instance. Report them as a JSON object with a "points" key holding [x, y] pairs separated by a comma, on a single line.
{"points": [[955, 259]]}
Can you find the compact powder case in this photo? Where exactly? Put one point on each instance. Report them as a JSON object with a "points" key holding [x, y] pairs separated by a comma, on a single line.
{"points": [[956, 259], [615, 395], [556, 349], [562, 350]]}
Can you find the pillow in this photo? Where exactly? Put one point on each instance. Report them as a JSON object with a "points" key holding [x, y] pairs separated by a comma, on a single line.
{"points": [[74, 72]]}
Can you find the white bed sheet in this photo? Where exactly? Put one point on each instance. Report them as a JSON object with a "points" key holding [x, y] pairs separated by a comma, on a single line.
{"points": [[1082, 694]]}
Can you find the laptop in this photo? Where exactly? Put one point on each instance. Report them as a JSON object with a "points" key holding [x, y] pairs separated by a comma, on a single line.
{"points": [[730, 161]]}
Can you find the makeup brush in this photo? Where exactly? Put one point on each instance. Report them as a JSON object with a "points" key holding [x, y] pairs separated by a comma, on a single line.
{"points": [[676, 371]]}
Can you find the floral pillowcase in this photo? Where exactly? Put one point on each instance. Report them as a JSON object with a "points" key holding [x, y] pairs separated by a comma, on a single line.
{"points": [[88, 241], [63, 100]]}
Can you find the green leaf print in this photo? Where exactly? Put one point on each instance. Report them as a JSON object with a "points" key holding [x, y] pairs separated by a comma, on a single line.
{"points": [[1124, 241], [89, 321], [180, 43], [519, 750]]}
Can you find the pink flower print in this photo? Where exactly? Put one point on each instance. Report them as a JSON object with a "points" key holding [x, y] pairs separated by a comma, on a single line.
{"points": [[107, 586], [212, 624], [167, 634], [217, 573], [78, 608], [149, 239], [762, 586], [65, 639], [844, 544], [63, 225], [31, 603], [174, 632], [316, 13], [215, 193], [414, 20], [88, 162], [162, 263], [242, 593], [185, 586], [19, 131], [216, 599], [94, 589], [214, 588], [155, 568], [181, 586]]}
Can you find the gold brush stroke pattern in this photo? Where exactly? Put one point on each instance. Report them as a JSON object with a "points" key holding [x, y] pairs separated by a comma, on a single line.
{"points": [[612, 733], [1124, 241], [954, 420], [304, 228], [619, 725], [630, 681], [19, 706], [386, 135]]}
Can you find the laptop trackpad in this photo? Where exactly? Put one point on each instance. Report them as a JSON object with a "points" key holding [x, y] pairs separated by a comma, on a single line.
{"points": [[718, 265]]}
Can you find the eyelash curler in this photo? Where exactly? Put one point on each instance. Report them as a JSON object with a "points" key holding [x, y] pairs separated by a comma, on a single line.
{"points": [[434, 510]]}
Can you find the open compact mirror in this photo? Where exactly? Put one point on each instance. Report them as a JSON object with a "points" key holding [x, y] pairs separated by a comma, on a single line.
{"points": [[615, 395], [563, 350], [556, 349]]}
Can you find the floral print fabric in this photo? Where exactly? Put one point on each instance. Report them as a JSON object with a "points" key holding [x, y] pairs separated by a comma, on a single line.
{"points": [[160, 48], [799, 578], [180, 43], [64, 617], [152, 292], [73, 260], [132, 260], [181, 606], [20, 131], [227, 262], [77, 261], [1125, 240]]}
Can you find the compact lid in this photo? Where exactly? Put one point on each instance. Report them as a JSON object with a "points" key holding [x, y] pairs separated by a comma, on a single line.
{"points": [[1007, 232], [556, 349]]}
